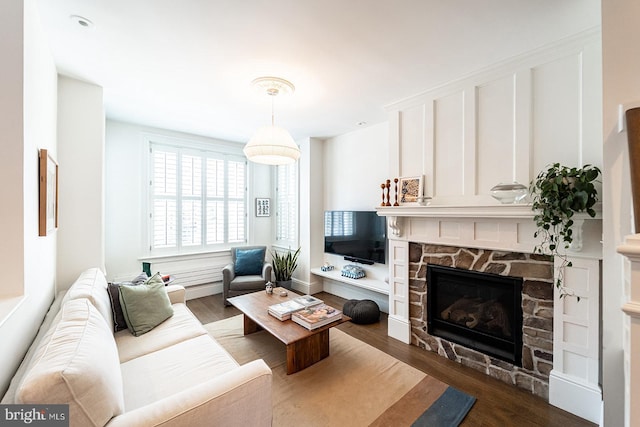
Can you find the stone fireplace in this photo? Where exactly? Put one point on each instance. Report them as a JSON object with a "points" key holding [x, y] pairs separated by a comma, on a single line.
{"points": [[533, 358], [559, 358]]}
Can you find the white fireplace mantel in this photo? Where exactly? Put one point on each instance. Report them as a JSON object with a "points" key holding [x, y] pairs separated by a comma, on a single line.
{"points": [[511, 228], [458, 211]]}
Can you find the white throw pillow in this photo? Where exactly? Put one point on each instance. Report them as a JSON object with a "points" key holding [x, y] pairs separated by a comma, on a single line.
{"points": [[77, 365]]}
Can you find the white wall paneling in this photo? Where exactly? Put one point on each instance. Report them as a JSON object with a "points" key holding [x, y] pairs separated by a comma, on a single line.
{"points": [[557, 111], [399, 325], [495, 105], [503, 124], [576, 363], [449, 146]]}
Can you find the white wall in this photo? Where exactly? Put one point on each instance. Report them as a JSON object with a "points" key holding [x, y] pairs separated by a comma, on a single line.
{"points": [[28, 82], [311, 214], [81, 165], [355, 164], [125, 175], [621, 68]]}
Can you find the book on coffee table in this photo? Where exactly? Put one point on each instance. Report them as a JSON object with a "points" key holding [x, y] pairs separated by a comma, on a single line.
{"points": [[316, 316], [283, 310], [308, 300]]}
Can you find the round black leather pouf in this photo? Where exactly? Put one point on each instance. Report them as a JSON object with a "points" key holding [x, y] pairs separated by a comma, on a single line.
{"points": [[362, 312]]}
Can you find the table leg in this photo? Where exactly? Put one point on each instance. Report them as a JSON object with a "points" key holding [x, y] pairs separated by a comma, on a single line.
{"points": [[250, 326], [304, 353]]}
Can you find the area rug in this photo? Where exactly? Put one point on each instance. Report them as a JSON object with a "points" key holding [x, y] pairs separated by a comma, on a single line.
{"points": [[357, 385]]}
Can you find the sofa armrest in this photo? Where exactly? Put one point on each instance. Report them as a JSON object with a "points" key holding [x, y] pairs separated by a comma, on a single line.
{"points": [[176, 293], [239, 397]]}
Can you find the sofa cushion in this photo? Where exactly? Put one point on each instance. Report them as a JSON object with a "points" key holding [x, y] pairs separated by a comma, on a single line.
{"points": [[249, 261], [77, 364], [119, 323], [92, 285], [180, 327], [171, 370], [145, 306]]}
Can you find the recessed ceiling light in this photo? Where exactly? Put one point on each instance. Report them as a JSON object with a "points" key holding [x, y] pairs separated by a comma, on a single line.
{"points": [[362, 123], [81, 21]]}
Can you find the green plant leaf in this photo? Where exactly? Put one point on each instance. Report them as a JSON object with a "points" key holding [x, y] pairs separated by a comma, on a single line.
{"points": [[557, 193]]}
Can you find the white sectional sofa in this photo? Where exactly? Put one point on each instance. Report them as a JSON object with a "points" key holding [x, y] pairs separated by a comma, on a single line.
{"points": [[173, 375]]}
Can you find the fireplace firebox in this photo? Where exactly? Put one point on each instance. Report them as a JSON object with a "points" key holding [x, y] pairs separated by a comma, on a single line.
{"points": [[478, 310]]}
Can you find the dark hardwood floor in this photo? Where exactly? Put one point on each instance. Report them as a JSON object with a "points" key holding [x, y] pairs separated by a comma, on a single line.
{"points": [[497, 404]]}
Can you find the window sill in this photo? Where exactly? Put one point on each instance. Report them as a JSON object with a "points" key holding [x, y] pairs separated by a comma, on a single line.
{"points": [[186, 255]]}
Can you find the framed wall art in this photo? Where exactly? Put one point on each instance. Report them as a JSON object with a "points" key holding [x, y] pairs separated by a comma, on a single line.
{"points": [[410, 188], [48, 189], [263, 207]]}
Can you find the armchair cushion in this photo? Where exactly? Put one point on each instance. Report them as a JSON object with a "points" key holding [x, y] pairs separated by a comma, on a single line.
{"points": [[249, 261]]}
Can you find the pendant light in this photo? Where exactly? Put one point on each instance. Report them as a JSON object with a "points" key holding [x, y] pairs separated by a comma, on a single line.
{"points": [[272, 145]]}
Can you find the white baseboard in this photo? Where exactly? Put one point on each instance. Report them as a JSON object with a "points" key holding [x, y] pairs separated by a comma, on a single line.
{"points": [[199, 291], [571, 395], [303, 287], [399, 329]]}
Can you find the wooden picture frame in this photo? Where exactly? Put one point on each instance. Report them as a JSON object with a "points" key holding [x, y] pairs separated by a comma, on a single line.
{"points": [[409, 189], [48, 189], [263, 207]]}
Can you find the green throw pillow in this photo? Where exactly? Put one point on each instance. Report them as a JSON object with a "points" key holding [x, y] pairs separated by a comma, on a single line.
{"points": [[249, 261], [145, 306]]}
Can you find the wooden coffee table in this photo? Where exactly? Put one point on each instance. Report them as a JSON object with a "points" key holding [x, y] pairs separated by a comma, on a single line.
{"points": [[304, 347]]}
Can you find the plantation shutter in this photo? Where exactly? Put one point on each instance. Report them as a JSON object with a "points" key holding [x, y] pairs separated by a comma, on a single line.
{"points": [[197, 198]]}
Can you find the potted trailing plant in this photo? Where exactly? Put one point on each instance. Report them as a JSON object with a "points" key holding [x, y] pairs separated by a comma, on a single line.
{"points": [[283, 266], [557, 193]]}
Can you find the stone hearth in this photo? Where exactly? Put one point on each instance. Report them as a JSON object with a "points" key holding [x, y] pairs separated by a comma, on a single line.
{"points": [[537, 306]]}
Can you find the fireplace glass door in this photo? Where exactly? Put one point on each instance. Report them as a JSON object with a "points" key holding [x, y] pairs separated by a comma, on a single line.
{"points": [[480, 311]]}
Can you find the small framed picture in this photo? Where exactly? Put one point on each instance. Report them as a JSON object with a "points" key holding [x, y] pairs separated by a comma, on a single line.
{"points": [[48, 198], [410, 188], [263, 207]]}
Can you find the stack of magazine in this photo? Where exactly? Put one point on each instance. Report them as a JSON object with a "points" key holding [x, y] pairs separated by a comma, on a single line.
{"points": [[316, 316], [283, 310]]}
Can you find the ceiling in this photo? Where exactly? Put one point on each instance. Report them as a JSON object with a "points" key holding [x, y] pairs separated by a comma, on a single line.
{"points": [[187, 65]]}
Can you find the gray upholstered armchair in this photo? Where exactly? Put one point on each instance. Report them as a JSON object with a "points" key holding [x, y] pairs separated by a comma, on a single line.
{"points": [[247, 272]]}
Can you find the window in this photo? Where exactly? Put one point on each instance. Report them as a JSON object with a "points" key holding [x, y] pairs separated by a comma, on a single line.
{"points": [[197, 199], [338, 223], [287, 205]]}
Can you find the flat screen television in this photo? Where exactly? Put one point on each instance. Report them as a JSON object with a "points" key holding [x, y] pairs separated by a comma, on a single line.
{"points": [[359, 236]]}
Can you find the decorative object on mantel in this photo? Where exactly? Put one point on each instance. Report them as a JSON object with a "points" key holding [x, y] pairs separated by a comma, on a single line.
{"points": [[557, 193], [388, 193], [410, 189], [353, 271], [395, 181], [272, 145], [633, 141], [509, 193], [423, 200]]}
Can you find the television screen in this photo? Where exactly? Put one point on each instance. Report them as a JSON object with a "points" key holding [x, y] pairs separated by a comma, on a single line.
{"points": [[360, 236]]}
